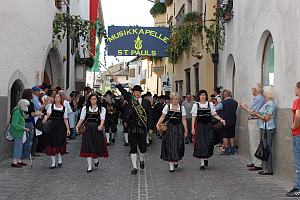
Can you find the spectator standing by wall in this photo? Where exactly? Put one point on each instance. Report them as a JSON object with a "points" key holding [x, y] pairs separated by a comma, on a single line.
{"points": [[253, 125], [295, 192], [228, 113], [17, 128]]}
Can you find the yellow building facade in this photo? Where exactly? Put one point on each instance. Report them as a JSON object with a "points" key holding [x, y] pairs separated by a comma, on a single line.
{"points": [[189, 74]]}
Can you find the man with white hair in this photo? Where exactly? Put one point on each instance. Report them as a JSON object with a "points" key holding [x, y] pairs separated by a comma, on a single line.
{"points": [[253, 125], [228, 113]]}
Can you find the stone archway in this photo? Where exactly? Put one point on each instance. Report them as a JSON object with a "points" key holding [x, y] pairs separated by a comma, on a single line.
{"points": [[16, 93], [230, 73], [53, 73], [266, 58]]}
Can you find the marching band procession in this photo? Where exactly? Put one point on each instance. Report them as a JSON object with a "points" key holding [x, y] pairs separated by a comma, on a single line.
{"points": [[45, 117]]}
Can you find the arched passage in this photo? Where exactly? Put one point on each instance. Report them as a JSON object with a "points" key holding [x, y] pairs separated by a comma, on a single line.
{"points": [[230, 73], [16, 93], [53, 73], [266, 59]]}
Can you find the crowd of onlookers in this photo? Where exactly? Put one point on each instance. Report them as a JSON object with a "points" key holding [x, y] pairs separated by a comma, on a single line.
{"points": [[261, 121]]}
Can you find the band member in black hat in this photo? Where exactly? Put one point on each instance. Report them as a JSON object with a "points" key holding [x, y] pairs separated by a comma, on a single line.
{"points": [[139, 110]]}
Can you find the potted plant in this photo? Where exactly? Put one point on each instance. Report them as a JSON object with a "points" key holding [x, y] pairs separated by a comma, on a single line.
{"points": [[158, 8]]}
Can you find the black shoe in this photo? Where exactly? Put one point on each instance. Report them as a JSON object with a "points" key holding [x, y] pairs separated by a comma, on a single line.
{"points": [[293, 193], [202, 168], [150, 141], [108, 144], [254, 168], [59, 165], [148, 145], [187, 142], [250, 165], [89, 170], [160, 137], [265, 173], [126, 144], [191, 141], [176, 165], [113, 140], [172, 171], [96, 164], [134, 171], [53, 167], [206, 163], [142, 164], [35, 155]]}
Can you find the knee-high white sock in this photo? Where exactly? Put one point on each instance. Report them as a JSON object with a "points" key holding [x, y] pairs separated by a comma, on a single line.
{"points": [[126, 137], [202, 162], [133, 160], [53, 161], [147, 138], [107, 137], [59, 158], [89, 161], [171, 165], [142, 156]]}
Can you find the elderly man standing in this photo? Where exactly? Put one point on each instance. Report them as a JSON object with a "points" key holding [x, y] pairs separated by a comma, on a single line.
{"points": [[253, 125], [228, 113], [188, 105]]}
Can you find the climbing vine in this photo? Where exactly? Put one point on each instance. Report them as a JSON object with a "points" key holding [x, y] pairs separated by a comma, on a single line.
{"points": [[183, 37], [77, 27]]}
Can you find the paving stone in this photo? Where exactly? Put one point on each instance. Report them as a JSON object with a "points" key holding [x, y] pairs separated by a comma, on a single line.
{"points": [[225, 179]]}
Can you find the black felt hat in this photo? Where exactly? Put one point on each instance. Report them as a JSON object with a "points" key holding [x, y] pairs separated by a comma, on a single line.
{"points": [[137, 88]]}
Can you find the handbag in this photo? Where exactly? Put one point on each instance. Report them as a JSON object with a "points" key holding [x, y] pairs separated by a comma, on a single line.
{"points": [[263, 151], [7, 133], [39, 124], [82, 128], [217, 125], [163, 126]]}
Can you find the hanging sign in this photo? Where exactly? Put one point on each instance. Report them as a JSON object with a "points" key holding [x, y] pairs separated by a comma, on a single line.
{"points": [[138, 41], [166, 81]]}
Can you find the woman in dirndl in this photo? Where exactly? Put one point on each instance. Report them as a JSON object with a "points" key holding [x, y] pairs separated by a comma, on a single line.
{"points": [[172, 148], [93, 141], [202, 130], [58, 131]]}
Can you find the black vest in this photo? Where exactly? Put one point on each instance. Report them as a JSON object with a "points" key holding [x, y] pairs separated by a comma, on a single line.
{"points": [[204, 114], [174, 117]]}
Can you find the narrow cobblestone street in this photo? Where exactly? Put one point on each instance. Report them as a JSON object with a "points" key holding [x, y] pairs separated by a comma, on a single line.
{"points": [[226, 178]]}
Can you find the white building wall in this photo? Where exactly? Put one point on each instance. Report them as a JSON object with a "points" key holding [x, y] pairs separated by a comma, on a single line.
{"points": [[26, 34], [245, 39]]}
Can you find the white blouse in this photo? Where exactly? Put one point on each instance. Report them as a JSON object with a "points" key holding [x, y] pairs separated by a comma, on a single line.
{"points": [[102, 114], [49, 110], [201, 105], [166, 109]]}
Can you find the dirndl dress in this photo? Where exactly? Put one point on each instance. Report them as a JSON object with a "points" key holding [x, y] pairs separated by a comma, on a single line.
{"points": [[204, 137], [172, 148], [93, 141], [57, 135]]}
